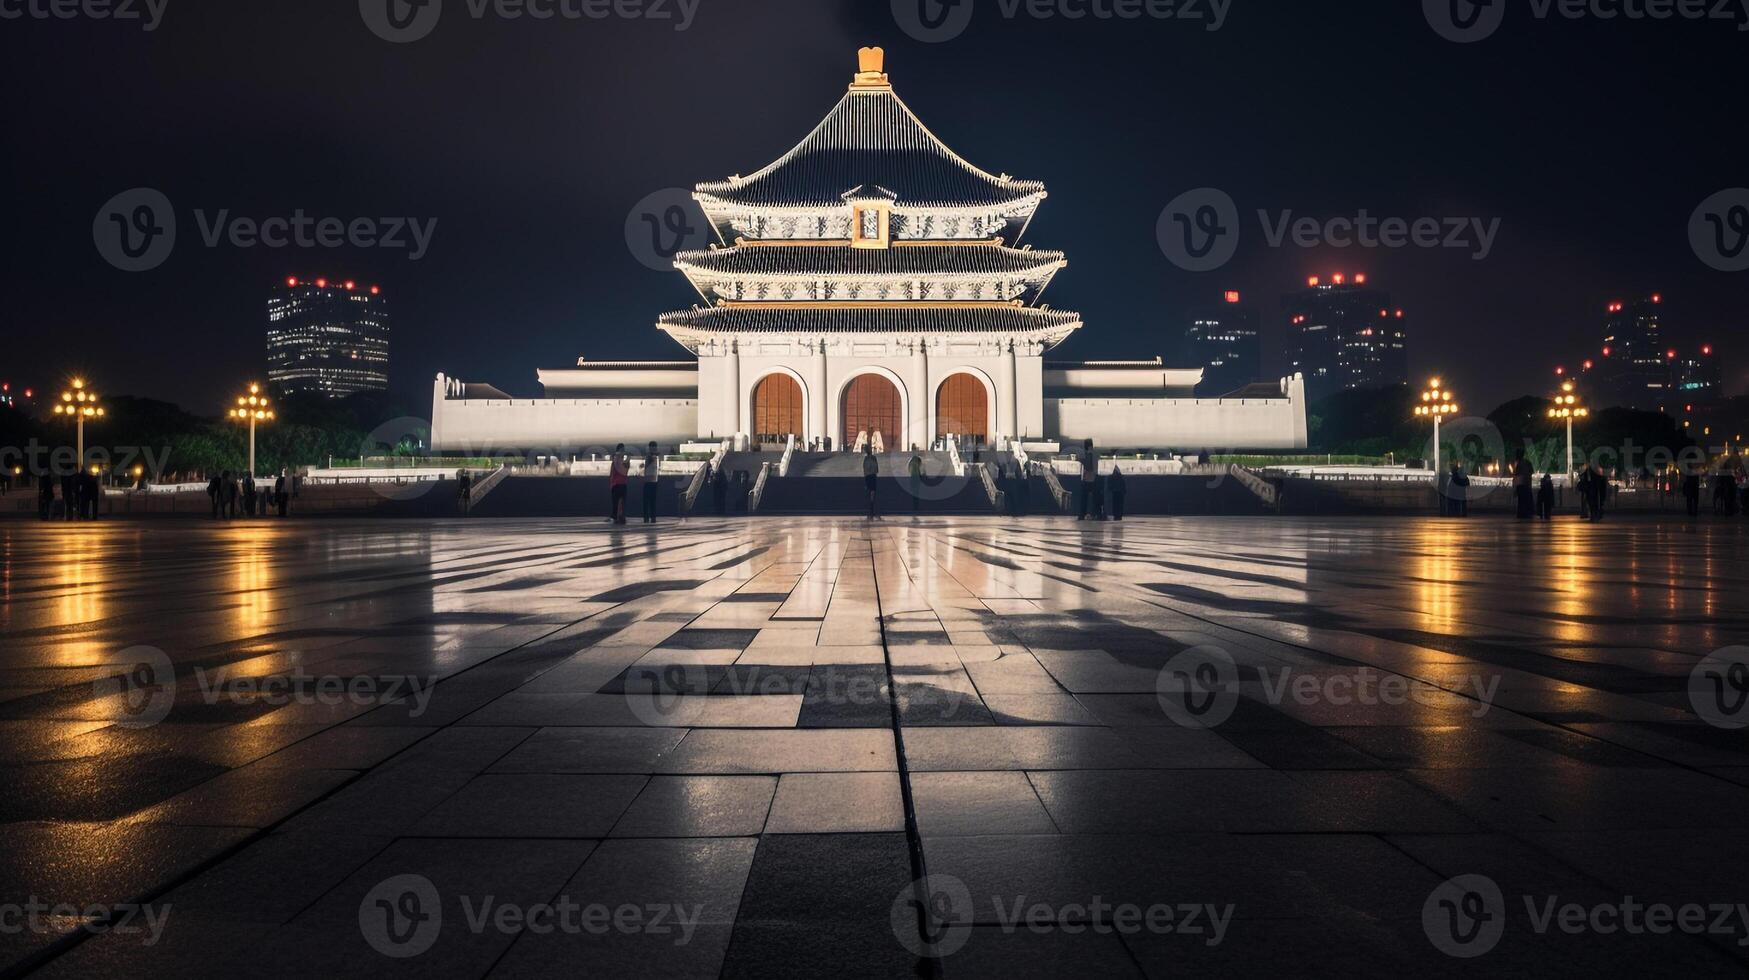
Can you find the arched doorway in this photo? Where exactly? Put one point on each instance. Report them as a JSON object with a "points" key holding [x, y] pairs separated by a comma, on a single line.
{"points": [[872, 404], [962, 408], [777, 408]]}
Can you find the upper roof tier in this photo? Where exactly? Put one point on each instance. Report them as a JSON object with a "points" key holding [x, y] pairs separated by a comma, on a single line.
{"points": [[984, 271], [870, 144], [921, 260]]}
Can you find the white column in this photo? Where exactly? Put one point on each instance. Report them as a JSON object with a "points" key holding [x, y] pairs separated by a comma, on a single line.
{"points": [[732, 387], [1009, 397], [817, 394], [920, 433]]}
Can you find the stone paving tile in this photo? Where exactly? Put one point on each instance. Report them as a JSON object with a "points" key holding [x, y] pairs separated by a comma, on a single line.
{"points": [[837, 803], [533, 805], [703, 717], [699, 806]]}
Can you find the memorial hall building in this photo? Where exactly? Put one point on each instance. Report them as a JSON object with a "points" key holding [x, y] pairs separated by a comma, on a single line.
{"points": [[869, 281]]}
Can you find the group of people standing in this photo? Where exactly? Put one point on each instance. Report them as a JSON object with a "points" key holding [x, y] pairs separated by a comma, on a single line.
{"points": [[232, 497], [619, 477], [81, 497]]}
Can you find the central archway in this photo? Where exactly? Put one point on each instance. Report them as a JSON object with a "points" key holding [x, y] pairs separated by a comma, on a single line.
{"points": [[962, 408], [777, 408], [872, 404]]}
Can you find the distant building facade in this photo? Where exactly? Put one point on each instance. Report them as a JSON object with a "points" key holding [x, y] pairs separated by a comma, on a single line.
{"points": [[1222, 339], [327, 337], [1344, 333]]}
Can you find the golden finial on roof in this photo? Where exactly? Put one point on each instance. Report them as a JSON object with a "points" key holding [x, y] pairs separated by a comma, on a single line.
{"points": [[871, 65]]}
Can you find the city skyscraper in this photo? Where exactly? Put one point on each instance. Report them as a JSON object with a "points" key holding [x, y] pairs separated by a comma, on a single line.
{"points": [[1343, 333], [1222, 339], [327, 337], [1636, 371]]}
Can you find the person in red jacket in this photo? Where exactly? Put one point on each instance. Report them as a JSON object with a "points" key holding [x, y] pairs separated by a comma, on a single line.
{"points": [[617, 475]]}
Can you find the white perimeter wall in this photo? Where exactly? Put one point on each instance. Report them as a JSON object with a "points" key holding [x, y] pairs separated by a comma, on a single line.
{"points": [[1183, 423], [562, 425]]}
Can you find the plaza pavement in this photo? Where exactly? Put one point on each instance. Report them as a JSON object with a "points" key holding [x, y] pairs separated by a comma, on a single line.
{"points": [[1163, 748]]}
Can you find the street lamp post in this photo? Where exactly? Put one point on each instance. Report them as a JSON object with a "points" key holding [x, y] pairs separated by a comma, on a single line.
{"points": [[1436, 402], [79, 405], [1567, 407], [252, 408]]}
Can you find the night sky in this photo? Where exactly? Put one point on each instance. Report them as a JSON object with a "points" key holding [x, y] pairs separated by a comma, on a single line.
{"points": [[530, 141]]}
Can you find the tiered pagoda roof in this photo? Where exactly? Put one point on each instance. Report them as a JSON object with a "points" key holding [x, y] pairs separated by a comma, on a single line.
{"points": [[871, 225], [870, 137]]}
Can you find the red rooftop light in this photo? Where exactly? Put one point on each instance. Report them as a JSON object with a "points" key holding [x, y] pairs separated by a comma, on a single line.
{"points": [[1360, 279], [1337, 278], [376, 291], [1707, 350], [1657, 298], [293, 281], [1232, 296], [1589, 365], [1671, 354], [1559, 370], [321, 284], [1313, 281]]}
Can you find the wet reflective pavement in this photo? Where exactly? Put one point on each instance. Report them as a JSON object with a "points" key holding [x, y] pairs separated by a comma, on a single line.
{"points": [[737, 748]]}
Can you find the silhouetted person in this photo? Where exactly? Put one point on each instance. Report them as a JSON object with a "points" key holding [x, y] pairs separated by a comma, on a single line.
{"points": [[1691, 491], [871, 471], [251, 496], [1460, 491], [1089, 480], [282, 498], [1442, 490], [720, 491], [230, 495], [1522, 474], [652, 483], [464, 491], [215, 492], [1545, 498], [1595, 492], [90, 496], [914, 471], [618, 474], [1116, 484], [69, 496], [45, 497]]}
